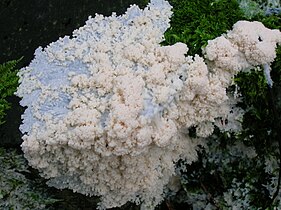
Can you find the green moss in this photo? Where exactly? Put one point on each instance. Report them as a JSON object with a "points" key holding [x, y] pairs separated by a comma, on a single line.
{"points": [[8, 85], [272, 21], [194, 22]]}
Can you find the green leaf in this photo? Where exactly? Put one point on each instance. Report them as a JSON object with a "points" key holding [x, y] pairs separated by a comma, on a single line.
{"points": [[8, 85]]}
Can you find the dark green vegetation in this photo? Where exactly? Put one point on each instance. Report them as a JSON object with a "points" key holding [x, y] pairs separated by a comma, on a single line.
{"points": [[194, 22], [8, 85]]}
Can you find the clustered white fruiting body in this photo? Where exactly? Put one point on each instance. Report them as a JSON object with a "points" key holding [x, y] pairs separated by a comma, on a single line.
{"points": [[108, 111]]}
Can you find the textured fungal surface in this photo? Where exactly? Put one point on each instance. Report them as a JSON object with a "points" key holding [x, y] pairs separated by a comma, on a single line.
{"points": [[95, 120], [108, 109]]}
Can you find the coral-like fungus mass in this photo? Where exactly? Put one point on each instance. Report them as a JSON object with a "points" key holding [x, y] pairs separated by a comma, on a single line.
{"points": [[108, 109]]}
